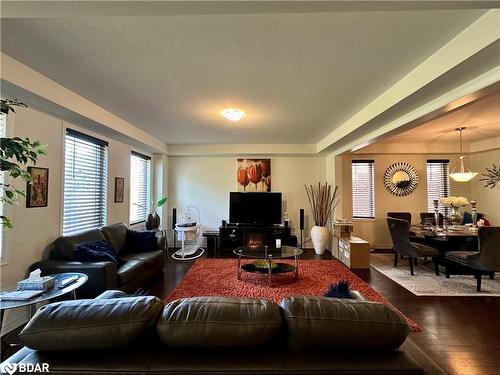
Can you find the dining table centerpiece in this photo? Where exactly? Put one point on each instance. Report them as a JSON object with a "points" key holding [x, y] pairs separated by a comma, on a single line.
{"points": [[455, 216]]}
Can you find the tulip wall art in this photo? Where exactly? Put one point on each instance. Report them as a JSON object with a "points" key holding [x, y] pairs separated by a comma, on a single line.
{"points": [[254, 175]]}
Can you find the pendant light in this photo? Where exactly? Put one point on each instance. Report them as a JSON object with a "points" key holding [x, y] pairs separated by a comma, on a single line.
{"points": [[464, 174]]}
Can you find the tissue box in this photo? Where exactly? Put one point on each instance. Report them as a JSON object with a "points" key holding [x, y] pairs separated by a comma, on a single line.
{"points": [[47, 282]]}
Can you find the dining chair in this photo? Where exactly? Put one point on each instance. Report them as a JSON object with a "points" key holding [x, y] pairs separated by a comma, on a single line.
{"points": [[486, 261], [428, 218], [413, 236], [401, 244]]}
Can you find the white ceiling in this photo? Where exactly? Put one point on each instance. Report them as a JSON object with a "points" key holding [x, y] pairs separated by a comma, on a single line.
{"points": [[481, 119], [298, 76]]}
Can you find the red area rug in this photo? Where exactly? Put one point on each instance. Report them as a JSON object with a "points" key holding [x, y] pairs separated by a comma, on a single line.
{"points": [[217, 277]]}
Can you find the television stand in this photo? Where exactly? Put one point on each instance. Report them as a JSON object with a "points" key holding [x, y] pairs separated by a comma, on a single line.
{"points": [[232, 236]]}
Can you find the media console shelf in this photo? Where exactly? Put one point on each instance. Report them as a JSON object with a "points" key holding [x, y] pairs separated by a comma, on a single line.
{"points": [[232, 236]]}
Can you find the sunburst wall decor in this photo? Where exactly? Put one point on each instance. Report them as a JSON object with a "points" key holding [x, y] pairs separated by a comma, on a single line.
{"points": [[401, 179]]}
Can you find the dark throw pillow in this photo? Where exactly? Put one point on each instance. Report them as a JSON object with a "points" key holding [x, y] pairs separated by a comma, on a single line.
{"points": [[339, 290], [141, 241], [96, 251], [468, 217]]}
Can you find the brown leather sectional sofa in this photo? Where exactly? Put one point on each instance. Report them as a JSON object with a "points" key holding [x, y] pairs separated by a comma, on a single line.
{"points": [[217, 335], [140, 267]]}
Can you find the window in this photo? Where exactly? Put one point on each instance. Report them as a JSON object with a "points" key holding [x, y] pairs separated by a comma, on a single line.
{"points": [[363, 189], [85, 182], [438, 183], [3, 132], [140, 187]]}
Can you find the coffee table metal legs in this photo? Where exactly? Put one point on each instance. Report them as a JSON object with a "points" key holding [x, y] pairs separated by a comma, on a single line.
{"points": [[269, 269], [239, 268], [296, 267], [269, 263]]}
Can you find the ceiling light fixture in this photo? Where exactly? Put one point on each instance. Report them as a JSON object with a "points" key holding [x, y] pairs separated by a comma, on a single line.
{"points": [[465, 174], [232, 114]]}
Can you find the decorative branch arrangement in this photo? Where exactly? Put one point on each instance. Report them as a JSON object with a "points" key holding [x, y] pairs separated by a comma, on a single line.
{"points": [[491, 177], [322, 201]]}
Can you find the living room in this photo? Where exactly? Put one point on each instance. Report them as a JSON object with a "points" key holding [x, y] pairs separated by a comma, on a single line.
{"points": [[130, 96]]}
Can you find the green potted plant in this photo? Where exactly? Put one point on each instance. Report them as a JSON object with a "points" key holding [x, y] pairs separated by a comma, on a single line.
{"points": [[153, 219], [15, 154]]}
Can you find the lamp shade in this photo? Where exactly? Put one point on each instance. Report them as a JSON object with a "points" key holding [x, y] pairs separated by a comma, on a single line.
{"points": [[464, 175]]}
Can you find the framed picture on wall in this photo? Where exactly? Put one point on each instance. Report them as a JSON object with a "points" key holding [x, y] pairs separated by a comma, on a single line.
{"points": [[37, 191], [119, 189], [253, 175]]}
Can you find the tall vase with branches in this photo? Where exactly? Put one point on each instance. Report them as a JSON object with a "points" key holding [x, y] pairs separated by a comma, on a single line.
{"points": [[323, 200]]}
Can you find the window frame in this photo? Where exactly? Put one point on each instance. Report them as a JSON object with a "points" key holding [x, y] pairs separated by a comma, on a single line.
{"points": [[371, 166], [447, 184], [148, 179], [3, 133], [101, 147]]}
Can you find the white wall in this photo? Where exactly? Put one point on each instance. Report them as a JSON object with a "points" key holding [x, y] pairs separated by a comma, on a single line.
{"points": [[205, 182], [488, 200], [35, 228]]}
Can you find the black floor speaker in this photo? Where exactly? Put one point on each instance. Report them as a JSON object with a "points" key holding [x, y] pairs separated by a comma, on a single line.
{"points": [[301, 214]]}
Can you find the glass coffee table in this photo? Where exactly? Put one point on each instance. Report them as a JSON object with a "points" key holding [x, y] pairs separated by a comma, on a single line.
{"points": [[265, 257]]}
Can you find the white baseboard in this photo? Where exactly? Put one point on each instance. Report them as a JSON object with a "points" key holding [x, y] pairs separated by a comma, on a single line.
{"points": [[382, 246]]}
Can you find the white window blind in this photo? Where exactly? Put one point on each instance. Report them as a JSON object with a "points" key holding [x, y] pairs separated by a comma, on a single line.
{"points": [[85, 182], [363, 189], [438, 183], [140, 187]]}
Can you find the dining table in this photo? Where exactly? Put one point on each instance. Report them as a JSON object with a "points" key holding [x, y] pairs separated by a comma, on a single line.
{"points": [[444, 232], [446, 238]]}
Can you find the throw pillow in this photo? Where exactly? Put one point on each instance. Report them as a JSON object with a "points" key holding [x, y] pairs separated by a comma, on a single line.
{"points": [[141, 241], [468, 217], [339, 290], [96, 251]]}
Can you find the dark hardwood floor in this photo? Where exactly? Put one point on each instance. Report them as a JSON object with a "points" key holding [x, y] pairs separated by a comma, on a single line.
{"points": [[462, 334]]}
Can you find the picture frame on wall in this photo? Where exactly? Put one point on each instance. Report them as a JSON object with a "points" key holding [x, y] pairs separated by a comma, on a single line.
{"points": [[119, 189], [37, 191], [253, 175]]}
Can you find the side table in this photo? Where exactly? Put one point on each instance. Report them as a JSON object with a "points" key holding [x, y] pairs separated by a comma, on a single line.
{"points": [[54, 292]]}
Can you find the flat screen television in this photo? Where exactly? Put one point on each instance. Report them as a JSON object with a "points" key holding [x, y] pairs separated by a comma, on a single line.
{"points": [[255, 208]]}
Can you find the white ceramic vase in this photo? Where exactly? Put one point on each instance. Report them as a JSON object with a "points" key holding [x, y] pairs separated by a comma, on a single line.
{"points": [[319, 238]]}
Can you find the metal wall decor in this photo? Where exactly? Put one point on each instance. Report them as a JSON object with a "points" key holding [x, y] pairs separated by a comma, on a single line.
{"points": [[491, 177], [401, 179]]}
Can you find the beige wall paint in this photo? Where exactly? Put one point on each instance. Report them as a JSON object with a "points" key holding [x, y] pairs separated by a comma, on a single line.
{"points": [[488, 200], [375, 230], [205, 182], [35, 228]]}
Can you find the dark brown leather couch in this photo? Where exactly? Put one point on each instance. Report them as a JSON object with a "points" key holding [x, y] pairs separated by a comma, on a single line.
{"points": [[218, 335], [139, 268]]}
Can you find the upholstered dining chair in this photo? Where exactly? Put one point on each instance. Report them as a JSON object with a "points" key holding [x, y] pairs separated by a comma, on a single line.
{"points": [[413, 236], [428, 218], [486, 261], [400, 230]]}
